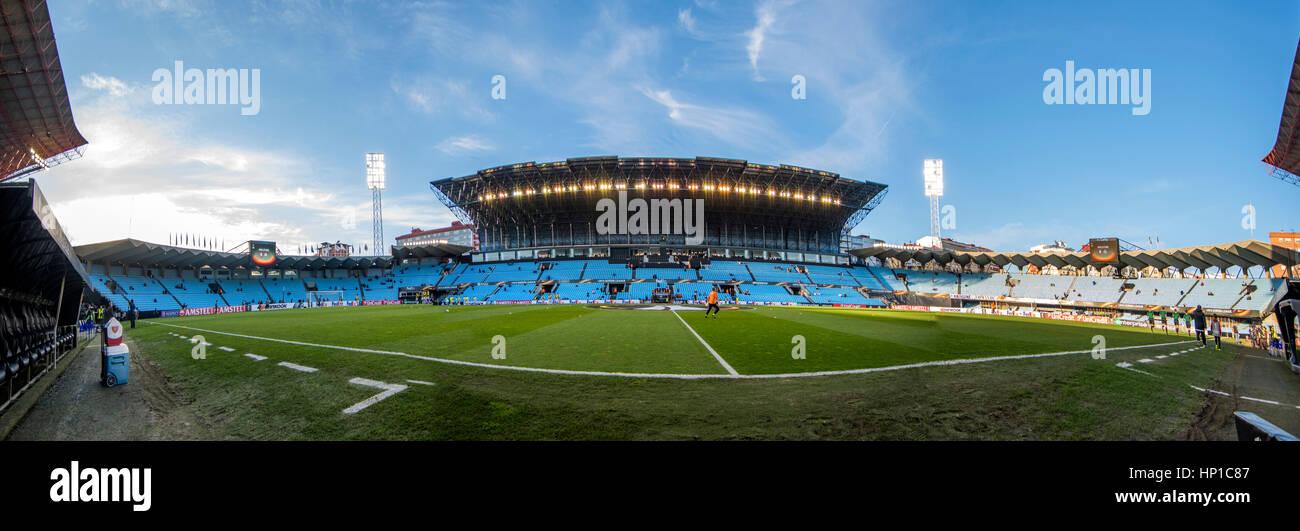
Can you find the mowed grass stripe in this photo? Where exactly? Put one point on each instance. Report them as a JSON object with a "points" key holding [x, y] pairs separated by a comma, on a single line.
{"points": [[625, 341], [443, 332], [760, 341]]}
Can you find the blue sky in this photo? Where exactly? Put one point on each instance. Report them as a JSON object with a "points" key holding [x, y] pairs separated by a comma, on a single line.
{"points": [[888, 85]]}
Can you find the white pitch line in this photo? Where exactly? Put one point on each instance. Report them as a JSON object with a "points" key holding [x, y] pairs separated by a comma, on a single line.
{"points": [[1252, 399], [1129, 367], [255, 356], [420, 382], [389, 390], [227, 349], [664, 375], [1146, 360], [1274, 402], [296, 367], [1161, 357], [724, 363], [1203, 390]]}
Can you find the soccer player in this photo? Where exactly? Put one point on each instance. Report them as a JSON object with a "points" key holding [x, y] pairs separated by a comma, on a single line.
{"points": [[713, 303]]}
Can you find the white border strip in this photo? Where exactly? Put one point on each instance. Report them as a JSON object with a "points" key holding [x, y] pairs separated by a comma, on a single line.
{"points": [[671, 376], [296, 367], [724, 363], [389, 390]]}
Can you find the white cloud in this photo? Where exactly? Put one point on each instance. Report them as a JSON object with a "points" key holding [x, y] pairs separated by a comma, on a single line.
{"points": [[765, 14], [736, 126], [686, 20], [113, 85], [459, 145], [443, 96], [149, 172]]}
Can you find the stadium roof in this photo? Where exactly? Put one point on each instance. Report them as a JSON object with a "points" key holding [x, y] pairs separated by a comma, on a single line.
{"points": [[38, 130], [144, 254], [551, 192], [445, 250], [455, 225], [37, 258], [1244, 254]]}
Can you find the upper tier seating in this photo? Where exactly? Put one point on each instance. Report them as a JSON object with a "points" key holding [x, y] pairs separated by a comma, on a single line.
{"points": [[930, 282], [1050, 287], [1216, 292], [1265, 288], [666, 273], [513, 272], [1096, 289], [564, 270], [770, 272], [868, 277], [244, 290], [726, 271], [603, 270], [1154, 291], [419, 275], [469, 274], [985, 284], [839, 276]]}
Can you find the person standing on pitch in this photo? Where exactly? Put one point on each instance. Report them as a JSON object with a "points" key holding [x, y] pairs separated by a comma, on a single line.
{"points": [[1216, 331], [713, 303], [1198, 317]]}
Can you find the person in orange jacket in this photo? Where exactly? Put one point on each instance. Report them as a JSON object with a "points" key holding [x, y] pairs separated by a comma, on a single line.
{"points": [[713, 304]]}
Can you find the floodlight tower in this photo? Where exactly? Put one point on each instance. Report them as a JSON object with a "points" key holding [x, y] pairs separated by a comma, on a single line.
{"points": [[375, 181], [933, 173]]}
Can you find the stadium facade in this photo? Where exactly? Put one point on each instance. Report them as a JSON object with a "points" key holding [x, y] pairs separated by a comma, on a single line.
{"points": [[750, 211]]}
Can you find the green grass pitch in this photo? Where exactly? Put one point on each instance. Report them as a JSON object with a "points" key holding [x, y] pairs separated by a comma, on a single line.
{"points": [[1059, 397]]}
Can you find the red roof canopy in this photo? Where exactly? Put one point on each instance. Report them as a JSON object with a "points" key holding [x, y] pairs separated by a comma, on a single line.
{"points": [[1284, 154], [36, 126]]}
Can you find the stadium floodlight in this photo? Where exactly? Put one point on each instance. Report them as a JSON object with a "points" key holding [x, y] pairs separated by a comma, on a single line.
{"points": [[375, 173], [933, 177], [933, 173], [376, 180]]}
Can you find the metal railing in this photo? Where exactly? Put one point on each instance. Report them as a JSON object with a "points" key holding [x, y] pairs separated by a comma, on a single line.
{"points": [[55, 345]]}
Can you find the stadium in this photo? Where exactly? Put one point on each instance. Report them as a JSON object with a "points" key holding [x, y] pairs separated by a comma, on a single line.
{"points": [[574, 308], [546, 305]]}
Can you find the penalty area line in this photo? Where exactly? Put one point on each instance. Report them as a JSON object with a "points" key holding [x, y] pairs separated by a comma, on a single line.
{"points": [[724, 363]]}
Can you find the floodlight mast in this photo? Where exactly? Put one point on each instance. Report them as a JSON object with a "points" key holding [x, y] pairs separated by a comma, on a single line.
{"points": [[933, 173], [376, 177]]}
